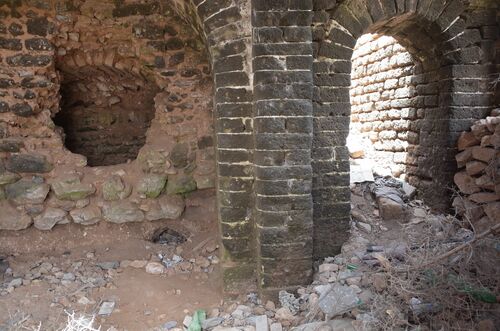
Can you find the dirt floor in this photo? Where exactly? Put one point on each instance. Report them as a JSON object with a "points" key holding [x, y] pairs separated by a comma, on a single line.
{"points": [[389, 275], [93, 265]]}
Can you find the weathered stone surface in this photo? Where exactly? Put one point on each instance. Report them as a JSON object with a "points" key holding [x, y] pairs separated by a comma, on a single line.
{"points": [[122, 212], [28, 163], [50, 217], [22, 109], [71, 188], [165, 207], [204, 182], [484, 197], [27, 191], [115, 188], [29, 60], [334, 325], [151, 185], [492, 209], [7, 177], [152, 161], [13, 219], [86, 216], [466, 184], [475, 167], [179, 155], [155, 268], [483, 154], [337, 299], [485, 182], [10, 145], [463, 157], [391, 210], [467, 139], [38, 26], [180, 184], [171, 206], [465, 207]]}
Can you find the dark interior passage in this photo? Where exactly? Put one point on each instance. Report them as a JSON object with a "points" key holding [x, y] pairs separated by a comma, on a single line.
{"points": [[105, 114]]}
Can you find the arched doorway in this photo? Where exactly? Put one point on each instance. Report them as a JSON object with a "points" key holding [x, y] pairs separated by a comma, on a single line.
{"points": [[429, 32]]}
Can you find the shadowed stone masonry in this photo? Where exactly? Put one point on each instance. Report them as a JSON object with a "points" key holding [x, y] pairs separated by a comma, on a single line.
{"points": [[275, 77]]}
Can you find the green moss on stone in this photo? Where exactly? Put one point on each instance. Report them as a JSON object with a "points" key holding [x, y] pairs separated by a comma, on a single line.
{"points": [[180, 184]]}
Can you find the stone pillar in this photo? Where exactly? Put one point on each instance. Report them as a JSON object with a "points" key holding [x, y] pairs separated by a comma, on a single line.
{"points": [[282, 64]]}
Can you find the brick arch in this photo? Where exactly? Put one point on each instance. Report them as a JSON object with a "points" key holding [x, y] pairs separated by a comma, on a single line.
{"points": [[433, 31], [224, 25]]}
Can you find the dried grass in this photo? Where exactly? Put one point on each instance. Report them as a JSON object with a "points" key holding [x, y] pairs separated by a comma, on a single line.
{"points": [[453, 290]]}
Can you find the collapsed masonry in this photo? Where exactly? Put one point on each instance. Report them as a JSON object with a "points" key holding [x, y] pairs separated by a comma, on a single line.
{"points": [[137, 84]]}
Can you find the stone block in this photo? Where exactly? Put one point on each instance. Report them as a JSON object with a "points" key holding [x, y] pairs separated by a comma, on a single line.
{"points": [[11, 44], [122, 211], [86, 216], [483, 154], [71, 188], [13, 219], [475, 167], [49, 218], [151, 185], [463, 157], [115, 188], [180, 184], [466, 184], [28, 163], [484, 197], [27, 191]]}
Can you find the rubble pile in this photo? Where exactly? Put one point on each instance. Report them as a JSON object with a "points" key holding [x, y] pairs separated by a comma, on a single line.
{"points": [[478, 178]]}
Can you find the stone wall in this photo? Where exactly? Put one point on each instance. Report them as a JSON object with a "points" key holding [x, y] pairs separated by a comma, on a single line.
{"points": [[275, 144], [130, 86], [383, 105]]}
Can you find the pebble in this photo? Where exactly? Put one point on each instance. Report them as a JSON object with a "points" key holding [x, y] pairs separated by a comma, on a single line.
{"points": [[106, 308], [69, 276], [139, 264], [261, 323], [169, 325], [85, 301], [276, 327], [15, 283], [155, 268], [365, 227], [108, 265], [284, 314], [328, 267], [270, 305]]}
